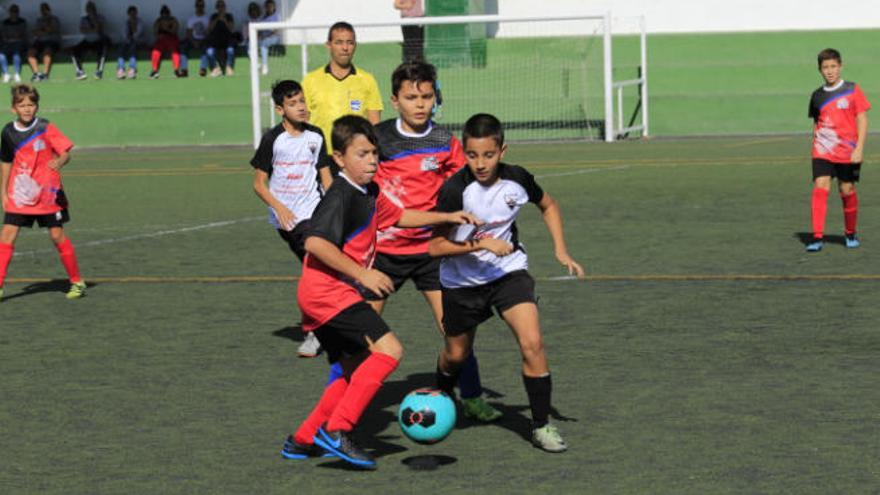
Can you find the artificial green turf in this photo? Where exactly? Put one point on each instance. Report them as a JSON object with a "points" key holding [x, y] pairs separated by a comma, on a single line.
{"points": [[718, 84], [721, 386]]}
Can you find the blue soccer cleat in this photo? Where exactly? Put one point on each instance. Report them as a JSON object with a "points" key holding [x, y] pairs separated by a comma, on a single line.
{"points": [[815, 246], [341, 444], [852, 241], [298, 451]]}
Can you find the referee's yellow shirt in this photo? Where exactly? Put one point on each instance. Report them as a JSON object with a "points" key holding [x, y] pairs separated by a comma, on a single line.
{"points": [[329, 98]]}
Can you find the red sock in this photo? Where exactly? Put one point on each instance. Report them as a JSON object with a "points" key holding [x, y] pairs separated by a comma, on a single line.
{"points": [[365, 382], [820, 208], [156, 57], [6, 251], [175, 60], [850, 212], [322, 411], [68, 259]]}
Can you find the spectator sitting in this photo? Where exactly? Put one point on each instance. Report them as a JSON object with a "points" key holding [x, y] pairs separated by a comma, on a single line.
{"points": [[165, 29], [132, 34], [47, 42], [14, 32], [196, 36], [268, 38], [221, 41], [254, 15], [91, 26]]}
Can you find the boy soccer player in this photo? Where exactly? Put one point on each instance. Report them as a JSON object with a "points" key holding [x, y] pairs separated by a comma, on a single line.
{"points": [[486, 266], [32, 153], [417, 156], [839, 112], [291, 166], [341, 246]]}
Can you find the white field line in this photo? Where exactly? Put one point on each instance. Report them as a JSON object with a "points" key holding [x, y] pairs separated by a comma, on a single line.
{"points": [[583, 171], [161, 233]]}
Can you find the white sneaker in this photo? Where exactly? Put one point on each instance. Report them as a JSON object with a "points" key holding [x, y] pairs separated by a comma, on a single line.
{"points": [[548, 439], [5, 78], [217, 72], [17, 78], [310, 346], [120, 74], [131, 74], [229, 71], [264, 70]]}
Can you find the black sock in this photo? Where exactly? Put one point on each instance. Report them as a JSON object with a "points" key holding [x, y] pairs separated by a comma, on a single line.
{"points": [[446, 381], [539, 389]]}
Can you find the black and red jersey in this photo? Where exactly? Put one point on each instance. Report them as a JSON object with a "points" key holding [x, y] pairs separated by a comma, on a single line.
{"points": [[412, 168], [29, 150], [834, 111], [348, 216]]}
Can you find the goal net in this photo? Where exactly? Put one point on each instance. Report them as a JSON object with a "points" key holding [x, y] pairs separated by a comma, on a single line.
{"points": [[545, 78]]}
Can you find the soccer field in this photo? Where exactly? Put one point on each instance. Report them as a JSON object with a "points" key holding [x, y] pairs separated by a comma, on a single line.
{"points": [[706, 352]]}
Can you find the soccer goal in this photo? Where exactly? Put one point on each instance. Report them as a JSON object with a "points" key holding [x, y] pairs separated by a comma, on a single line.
{"points": [[546, 78]]}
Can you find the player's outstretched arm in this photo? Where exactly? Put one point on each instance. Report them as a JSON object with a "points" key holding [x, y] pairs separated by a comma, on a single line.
{"points": [[858, 154], [330, 255], [553, 219], [285, 217], [417, 218], [442, 245]]}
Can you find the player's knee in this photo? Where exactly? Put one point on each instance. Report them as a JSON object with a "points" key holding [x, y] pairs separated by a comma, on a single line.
{"points": [[532, 349]]}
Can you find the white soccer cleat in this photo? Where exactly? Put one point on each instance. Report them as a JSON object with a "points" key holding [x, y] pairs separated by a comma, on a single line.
{"points": [[310, 346], [5, 78]]}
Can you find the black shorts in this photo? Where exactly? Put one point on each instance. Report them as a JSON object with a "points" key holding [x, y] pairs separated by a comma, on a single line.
{"points": [[296, 238], [423, 269], [466, 307], [44, 221], [50, 47], [846, 172], [345, 335]]}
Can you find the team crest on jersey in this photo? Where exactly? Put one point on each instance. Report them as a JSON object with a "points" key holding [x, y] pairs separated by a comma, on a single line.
{"points": [[313, 147], [39, 145], [429, 164], [843, 104], [356, 105], [510, 199]]}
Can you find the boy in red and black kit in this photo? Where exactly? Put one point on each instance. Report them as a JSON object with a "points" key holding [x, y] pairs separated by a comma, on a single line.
{"points": [[32, 153], [340, 246], [839, 111], [417, 156]]}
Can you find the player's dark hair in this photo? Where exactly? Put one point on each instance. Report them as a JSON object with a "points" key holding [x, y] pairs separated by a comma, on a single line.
{"points": [[341, 25], [346, 128], [13, 9], [414, 71], [829, 54], [22, 91], [483, 125], [285, 89]]}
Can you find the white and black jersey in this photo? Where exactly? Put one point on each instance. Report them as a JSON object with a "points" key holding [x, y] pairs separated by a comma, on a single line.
{"points": [[292, 163], [497, 206]]}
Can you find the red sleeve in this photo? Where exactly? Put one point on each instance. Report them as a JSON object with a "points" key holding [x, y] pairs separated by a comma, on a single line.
{"points": [[861, 101], [387, 213], [57, 140], [457, 159]]}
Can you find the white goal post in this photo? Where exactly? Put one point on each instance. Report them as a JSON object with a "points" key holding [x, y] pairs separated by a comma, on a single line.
{"points": [[610, 113]]}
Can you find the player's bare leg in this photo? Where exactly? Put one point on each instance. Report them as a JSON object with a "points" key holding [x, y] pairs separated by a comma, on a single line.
{"points": [[526, 327], [8, 234], [469, 386]]}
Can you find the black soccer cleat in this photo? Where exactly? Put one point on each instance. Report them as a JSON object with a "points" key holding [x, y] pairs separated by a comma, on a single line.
{"points": [[298, 451], [341, 444]]}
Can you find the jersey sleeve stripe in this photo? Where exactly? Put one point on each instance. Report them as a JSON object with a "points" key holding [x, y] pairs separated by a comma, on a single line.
{"points": [[28, 140], [837, 97], [421, 151]]}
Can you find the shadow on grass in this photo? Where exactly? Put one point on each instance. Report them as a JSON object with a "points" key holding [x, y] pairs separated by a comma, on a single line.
{"points": [[516, 418], [56, 285], [294, 333], [807, 237]]}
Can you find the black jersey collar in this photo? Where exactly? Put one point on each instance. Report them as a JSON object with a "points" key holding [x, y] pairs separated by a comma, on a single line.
{"points": [[352, 72]]}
